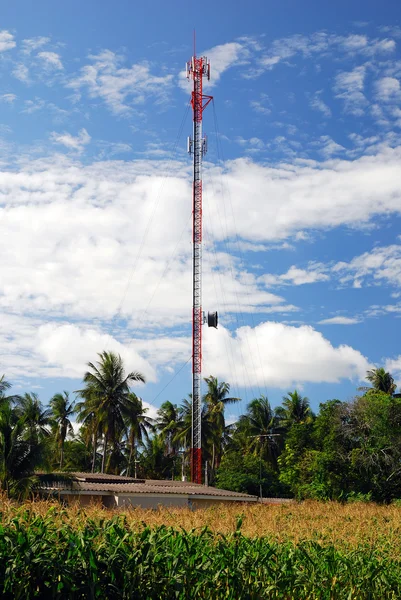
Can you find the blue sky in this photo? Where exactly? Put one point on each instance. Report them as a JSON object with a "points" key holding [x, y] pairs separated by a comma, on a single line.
{"points": [[302, 200]]}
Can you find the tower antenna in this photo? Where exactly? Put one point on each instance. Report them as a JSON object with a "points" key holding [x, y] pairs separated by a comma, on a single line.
{"points": [[196, 69]]}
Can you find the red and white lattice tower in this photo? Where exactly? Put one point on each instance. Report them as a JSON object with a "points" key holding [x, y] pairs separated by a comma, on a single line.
{"points": [[197, 68]]}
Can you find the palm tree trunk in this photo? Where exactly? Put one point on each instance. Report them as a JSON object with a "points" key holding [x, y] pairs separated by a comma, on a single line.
{"points": [[104, 452], [131, 451], [94, 450], [62, 454]]}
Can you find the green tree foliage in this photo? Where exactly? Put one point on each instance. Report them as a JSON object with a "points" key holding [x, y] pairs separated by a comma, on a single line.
{"points": [[381, 381], [138, 424], [168, 426], [348, 450], [295, 409], [259, 431], [61, 413], [107, 399], [216, 399], [249, 474], [23, 432]]}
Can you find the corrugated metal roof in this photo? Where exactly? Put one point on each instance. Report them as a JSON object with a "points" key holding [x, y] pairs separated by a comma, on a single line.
{"points": [[101, 477], [150, 488], [115, 484]]}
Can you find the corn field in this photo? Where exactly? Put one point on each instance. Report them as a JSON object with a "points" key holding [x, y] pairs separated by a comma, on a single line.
{"points": [[311, 550]]}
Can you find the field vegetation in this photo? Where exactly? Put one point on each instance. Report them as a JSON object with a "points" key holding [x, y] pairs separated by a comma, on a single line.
{"points": [[307, 550]]}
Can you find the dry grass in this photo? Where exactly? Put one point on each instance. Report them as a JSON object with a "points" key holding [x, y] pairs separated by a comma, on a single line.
{"points": [[341, 524]]}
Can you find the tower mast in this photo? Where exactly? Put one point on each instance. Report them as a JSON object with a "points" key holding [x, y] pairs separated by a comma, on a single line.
{"points": [[197, 68]]}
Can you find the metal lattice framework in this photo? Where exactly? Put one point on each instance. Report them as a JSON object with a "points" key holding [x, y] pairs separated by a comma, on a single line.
{"points": [[197, 68]]}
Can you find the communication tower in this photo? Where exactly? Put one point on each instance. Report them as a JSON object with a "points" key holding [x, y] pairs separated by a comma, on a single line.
{"points": [[196, 69]]}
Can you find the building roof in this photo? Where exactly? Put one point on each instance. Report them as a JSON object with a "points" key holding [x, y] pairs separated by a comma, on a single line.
{"points": [[114, 484]]}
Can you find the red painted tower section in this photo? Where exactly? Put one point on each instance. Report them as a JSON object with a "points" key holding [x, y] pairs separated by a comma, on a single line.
{"points": [[197, 68]]}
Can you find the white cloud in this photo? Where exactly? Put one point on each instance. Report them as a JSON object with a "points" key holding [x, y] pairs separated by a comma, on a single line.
{"points": [[51, 60], [65, 349], [251, 145], [8, 98], [21, 72], [339, 321], [307, 195], [328, 147], [32, 44], [221, 58], [262, 105], [120, 88], [277, 355], [71, 142], [393, 366], [317, 104], [76, 247], [6, 41], [381, 265], [76, 230], [323, 44], [388, 89], [349, 86], [296, 276]]}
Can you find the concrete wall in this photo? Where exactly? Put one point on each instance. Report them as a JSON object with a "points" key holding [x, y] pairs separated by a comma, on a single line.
{"points": [[150, 501], [205, 503], [89, 500]]}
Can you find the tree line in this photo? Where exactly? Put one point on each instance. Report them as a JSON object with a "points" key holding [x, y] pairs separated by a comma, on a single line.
{"points": [[348, 450]]}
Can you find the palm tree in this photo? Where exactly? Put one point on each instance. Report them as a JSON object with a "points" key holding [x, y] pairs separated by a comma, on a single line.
{"points": [[296, 409], [106, 397], [36, 418], [4, 385], [18, 455], [216, 400], [261, 426], [91, 428], [167, 423], [381, 380], [183, 435], [138, 425], [62, 409]]}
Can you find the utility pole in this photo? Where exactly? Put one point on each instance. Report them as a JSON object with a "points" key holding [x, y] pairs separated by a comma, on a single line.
{"points": [[196, 69]]}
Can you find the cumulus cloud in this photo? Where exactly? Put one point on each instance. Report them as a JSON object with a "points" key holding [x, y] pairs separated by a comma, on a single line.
{"points": [[120, 88], [32, 44], [221, 58], [309, 195], [328, 147], [261, 106], [296, 276], [393, 366], [277, 355], [36, 347], [349, 86], [317, 104], [83, 243], [69, 141], [21, 72], [388, 89], [339, 321], [6, 40], [8, 98], [322, 43], [381, 265], [65, 350], [51, 60]]}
